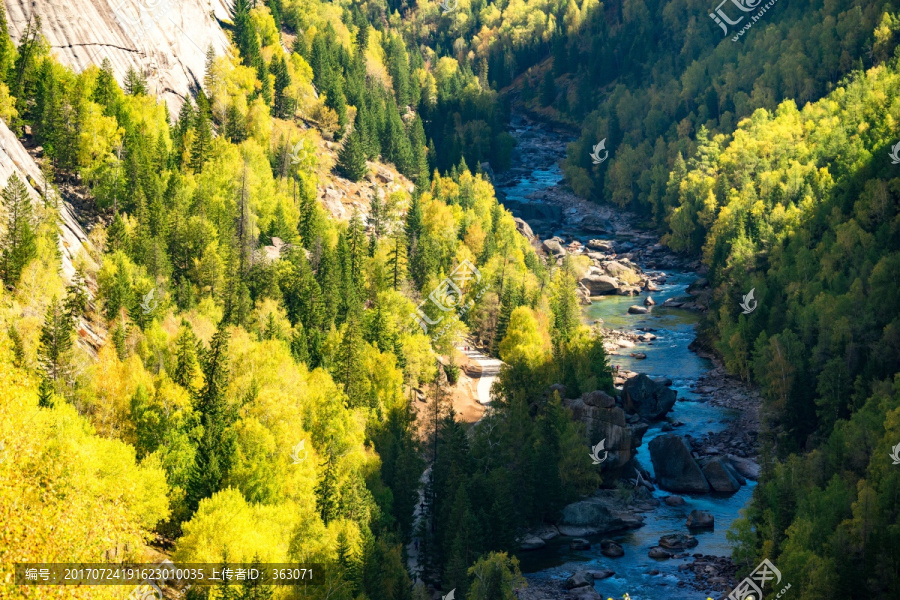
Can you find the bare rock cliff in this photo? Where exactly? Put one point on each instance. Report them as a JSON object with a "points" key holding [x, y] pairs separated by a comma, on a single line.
{"points": [[166, 39]]}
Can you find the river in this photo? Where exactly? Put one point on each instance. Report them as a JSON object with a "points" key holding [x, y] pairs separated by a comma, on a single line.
{"points": [[534, 171]]}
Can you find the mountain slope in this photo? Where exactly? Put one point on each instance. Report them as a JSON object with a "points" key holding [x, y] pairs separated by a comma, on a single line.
{"points": [[165, 39]]}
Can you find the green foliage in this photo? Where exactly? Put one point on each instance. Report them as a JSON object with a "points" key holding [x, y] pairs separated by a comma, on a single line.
{"points": [[17, 243]]}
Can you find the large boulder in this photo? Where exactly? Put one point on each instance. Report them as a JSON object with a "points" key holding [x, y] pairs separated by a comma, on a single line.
{"points": [[617, 269], [638, 310], [700, 519], [532, 543], [678, 541], [523, 228], [657, 552], [648, 398], [597, 515], [675, 468], [745, 467], [602, 245], [721, 475], [603, 420], [579, 579], [611, 549], [579, 544], [585, 592], [553, 247], [598, 284]]}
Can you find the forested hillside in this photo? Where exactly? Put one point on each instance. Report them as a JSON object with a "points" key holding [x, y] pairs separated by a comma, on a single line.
{"points": [[225, 370], [770, 158], [230, 373]]}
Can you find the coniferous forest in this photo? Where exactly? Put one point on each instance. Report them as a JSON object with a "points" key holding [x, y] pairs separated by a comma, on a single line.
{"points": [[241, 329]]}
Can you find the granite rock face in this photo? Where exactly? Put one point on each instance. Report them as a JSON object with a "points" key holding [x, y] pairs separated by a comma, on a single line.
{"points": [[166, 39]]}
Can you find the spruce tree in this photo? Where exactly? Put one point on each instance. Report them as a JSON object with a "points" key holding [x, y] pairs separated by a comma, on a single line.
{"points": [[254, 588], [215, 446], [202, 134], [327, 493], [245, 37], [396, 262], [352, 157], [17, 243], [55, 342], [299, 345], [185, 356]]}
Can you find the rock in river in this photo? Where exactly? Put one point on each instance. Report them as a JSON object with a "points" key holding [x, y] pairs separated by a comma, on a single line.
{"points": [[675, 468], [579, 579], [638, 310], [599, 285], [657, 552], [678, 541], [700, 519], [721, 475], [597, 515], [647, 398], [674, 500], [611, 549], [579, 544], [532, 543]]}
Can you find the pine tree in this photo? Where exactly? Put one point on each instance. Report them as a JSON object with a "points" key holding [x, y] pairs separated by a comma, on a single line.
{"points": [[224, 591], [185, 356], [245, 37], [349, 355], [282, 103], [299, 345], [215, 447], [396, 262], [202, 134], [327, 494], [352, 157], [55, 342], [45, 393], [135, 83], [17, 243], [209, 77]]}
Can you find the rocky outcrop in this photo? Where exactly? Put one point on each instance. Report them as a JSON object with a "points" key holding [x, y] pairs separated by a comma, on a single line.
{"points": [[675, 468], [700, 519], [523, 228], [611, 549], [553, 247], [599, 514], [599, 285], [678, 541], [721, 475], [165, 39], [579, 579], [14, 158], [604, 420], [649, 399]]}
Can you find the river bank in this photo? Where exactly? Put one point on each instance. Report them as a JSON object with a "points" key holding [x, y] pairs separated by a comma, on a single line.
{"points": [[646, 301]]}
